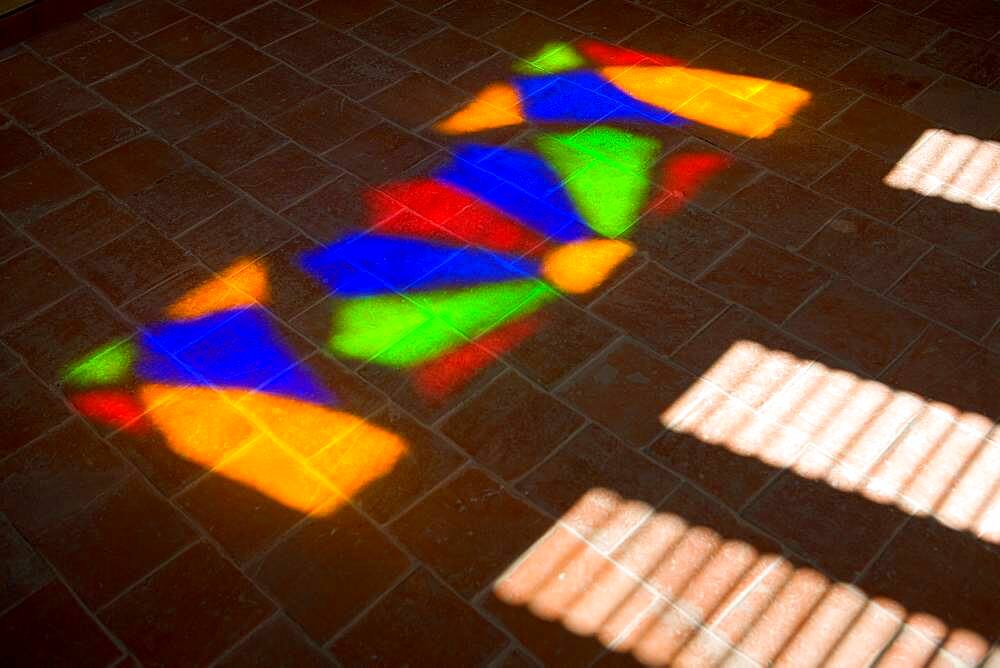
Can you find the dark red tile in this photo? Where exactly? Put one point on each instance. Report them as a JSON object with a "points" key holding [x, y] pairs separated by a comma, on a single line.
{"points": [[92, 133], [278, 642], [381, 153], [49, 628], [267, 24], [183, 113], [426, 99], [51, 104], [219, 11], [454, 531], [134, 166], [779, 210], [56, 476], [610, 20], [476, 17], [797, 152], [63, 334], [324, 121], [26, 572], [964, 56], [978, 17], [279, 178], [138, 86], [19, 149], [524, 35], [686, 242], [946, 288], [870, 253], [12, 243], [337, 207], [970, 232], [226, 67], [828, 98], [626, 390], [81, 226], [344, 15], [199, 596], [395, 29], [408, 624], [961, 106], [66, 36], [511, 426], [813, 47], [857, 181], [23, 72], [857, 326], [313, 47], [690, 11], [657, 308], [102, 57], [235, 141], [765, 279], [30, 281], [28, 410], [834, 528], [747, 24], [894, 31], [239, 231], [885, 76], [143, 18], [832, 15], [362, 72], [38, 186], [115, 541], [132, 263], [735, 59], [275, 91], [447, 53], [181, 200], [184, 40], [329, 569]]}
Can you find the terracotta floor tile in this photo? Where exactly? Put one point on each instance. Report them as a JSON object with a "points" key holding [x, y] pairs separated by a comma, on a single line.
{"points": [[895, 31], [133, 166], [12, 242], [66, 36], [978, 17], [92, 133], [51, 104], [735, 59], [407, 625], [136, 21], [395, 29], [132, 263], [956, 104], [778, 210], [476, 18], [857, 181], [665, 35], [32, 280], [692, 11], [98, 59], [686, 242], [426, 98], [328, 570], [856, 326], [813, 47], [747, 24], [832, 16], [20, 149], [380, 152], [362, 72], [278, 641], [522, 35], [609, 20], [184, 112], [219, 10], [764, 278], [239, 230], [279, 178], [81, 226], [828, 98], [970, 232], [224, 68], [322, 122], [313, 47], [447, 53], [50, 628], [273, 92], [198, 593], [231, 143], [115, 541], [39, 186], [55, 477], [23, 72], [964, 56], [625, 390], [138, 86], [946, 288], [267, 24], [26, 571], [28, 408], [184, 40], [881, 128], [180, 201], [657, 308]]}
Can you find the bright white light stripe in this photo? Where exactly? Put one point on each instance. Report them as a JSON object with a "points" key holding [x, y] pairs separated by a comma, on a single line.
{"points": [[958, 168]]}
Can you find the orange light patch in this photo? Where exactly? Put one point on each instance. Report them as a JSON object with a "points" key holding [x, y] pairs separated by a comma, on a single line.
{"points": [[362, 456], [581, 266], [498, 105], [243, 284]]}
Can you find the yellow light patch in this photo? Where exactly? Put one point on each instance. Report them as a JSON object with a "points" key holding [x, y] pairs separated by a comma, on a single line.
{"points": [[581, 266], [243, 284], [498, 105], [364, 455]]}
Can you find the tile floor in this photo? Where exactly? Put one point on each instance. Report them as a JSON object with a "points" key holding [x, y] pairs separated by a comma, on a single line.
{"points": [[769, 437]]}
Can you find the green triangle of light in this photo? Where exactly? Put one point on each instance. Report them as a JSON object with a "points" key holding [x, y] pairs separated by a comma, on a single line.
{"points": [[553, 57], [606, 173], [107, 365]]}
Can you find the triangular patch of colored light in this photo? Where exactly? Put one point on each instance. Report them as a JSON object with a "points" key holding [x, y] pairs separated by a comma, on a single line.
{"points": [[584, 97], [226, 350], [608, 192], [496, 106], [683, 177], [601, 53], [580, 267], [242, 284], [113, 408], [109, 365], [553, 57]]}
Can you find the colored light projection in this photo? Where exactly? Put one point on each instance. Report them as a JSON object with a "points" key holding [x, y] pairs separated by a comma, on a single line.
{"points": [[216, 379], [452, 268], [594, 82]]}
